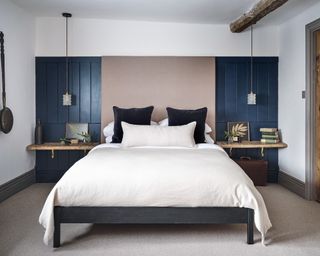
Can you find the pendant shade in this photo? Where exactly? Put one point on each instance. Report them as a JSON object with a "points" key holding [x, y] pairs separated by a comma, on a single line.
{"points": [[67, 99], [251, 98]]}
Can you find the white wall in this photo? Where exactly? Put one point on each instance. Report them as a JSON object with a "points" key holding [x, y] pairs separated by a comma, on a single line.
{"points": [[19, 30], [292, 77], [98, 37]]}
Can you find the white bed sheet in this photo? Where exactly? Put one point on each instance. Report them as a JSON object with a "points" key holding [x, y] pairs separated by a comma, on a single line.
{"points": [[109, 175]]}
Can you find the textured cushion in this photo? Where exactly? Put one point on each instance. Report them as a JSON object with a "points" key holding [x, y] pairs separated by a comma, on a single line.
{"points": [[131, 116], [182, 116], [151, 135]]}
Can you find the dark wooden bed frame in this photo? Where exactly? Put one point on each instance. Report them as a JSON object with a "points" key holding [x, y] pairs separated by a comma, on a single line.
{"points": [[152, 215]]}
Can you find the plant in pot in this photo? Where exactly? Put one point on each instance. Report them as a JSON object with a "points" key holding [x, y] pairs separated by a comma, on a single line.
{"points": [[86, 137], [235, 133]]}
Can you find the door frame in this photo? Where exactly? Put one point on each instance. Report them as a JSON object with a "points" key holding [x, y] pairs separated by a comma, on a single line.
{"points": [[311, 114]]}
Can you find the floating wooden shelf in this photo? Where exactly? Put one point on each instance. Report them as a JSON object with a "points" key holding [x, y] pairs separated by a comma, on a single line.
{"points": [[52, 146], [251, 144]]}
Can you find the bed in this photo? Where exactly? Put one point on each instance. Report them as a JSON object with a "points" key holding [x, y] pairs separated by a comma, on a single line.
{"points": [[153, 185]]}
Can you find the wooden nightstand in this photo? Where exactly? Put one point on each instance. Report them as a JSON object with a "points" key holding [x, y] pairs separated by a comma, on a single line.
{"points": [[52, 146]]}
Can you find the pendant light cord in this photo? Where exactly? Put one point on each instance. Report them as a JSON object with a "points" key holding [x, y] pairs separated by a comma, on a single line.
{"points": [[251, 79], [67, 60]]}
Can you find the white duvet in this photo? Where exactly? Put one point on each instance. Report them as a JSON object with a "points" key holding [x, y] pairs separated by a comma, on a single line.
{"points": [[113, 176]]}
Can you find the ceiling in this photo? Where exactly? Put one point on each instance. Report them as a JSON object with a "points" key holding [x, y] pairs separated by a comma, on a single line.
{"points": [[186, 11]]}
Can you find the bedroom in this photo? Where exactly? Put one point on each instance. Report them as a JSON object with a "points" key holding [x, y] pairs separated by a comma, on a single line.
{"points": [[179, 65]]}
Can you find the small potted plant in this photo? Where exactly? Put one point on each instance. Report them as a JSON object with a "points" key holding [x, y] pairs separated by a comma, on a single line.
{"points": [[235, 133], [86, 137], [230, 136]]}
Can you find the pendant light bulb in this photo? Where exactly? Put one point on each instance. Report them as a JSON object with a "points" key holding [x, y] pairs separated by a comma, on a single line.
{"points": [[251, 99]]}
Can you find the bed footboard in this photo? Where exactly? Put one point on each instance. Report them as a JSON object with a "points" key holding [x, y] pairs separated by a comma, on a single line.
{"points": [[152, 215]]}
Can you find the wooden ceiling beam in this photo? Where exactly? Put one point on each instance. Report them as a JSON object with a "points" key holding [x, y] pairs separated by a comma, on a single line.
{"points": [[260, 10]]}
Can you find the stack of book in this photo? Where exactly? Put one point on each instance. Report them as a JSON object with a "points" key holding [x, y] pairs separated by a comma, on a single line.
{"points": [[270, 135]]}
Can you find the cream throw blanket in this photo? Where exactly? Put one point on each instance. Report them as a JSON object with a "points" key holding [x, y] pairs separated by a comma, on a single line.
{"points": [[179, 177]]}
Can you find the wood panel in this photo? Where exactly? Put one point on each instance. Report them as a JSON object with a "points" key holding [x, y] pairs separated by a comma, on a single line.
{"points": [[232, 87], [85, 86]]}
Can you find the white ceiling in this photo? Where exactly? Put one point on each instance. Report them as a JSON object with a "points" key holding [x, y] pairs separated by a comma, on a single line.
{"points": [[188, 11]]}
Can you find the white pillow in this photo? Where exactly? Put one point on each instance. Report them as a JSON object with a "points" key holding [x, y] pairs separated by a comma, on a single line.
{"points": [[108, 130], [108, 139], [208, 139], [165, 122], [155, 135]]}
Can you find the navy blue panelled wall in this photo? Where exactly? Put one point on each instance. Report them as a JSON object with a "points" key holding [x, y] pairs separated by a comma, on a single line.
{"points": [[232, 87], [84, 84]]}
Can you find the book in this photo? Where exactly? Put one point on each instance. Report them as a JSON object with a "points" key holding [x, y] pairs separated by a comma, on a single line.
{"points": [[268, 129], [270, 133], [270, 141], [267, 136]]}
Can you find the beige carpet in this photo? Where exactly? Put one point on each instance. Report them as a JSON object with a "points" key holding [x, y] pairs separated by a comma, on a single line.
{"points": [[296, 231]]}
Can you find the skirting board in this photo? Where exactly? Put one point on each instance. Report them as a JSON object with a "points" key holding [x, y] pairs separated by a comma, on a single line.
{"points": [[292, 184], [17, 184]]}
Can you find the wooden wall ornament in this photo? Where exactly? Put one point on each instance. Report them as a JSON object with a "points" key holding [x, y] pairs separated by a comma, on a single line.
{"points": [[6, 116], [260, 10]]}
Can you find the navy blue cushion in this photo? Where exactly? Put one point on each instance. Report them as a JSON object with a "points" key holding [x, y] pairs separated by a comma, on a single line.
{"points": [[185, 116], [140, 116]]}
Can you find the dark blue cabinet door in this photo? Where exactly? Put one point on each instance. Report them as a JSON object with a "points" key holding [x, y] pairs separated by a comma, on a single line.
{"points": [[84, 85]]}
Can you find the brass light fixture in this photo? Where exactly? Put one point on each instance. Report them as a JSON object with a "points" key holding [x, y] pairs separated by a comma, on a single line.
{"points": [[251, 96], [67, 97]]}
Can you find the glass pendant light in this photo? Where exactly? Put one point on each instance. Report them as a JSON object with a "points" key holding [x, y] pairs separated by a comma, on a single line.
{"points": [[67, 97], [251, 96]]}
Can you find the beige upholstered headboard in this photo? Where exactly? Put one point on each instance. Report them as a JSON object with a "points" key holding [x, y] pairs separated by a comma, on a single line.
{"points": [[179, 82]]}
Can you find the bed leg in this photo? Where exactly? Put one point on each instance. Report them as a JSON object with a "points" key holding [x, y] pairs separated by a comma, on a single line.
{"points": [[56, 233], [250, 226]]}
